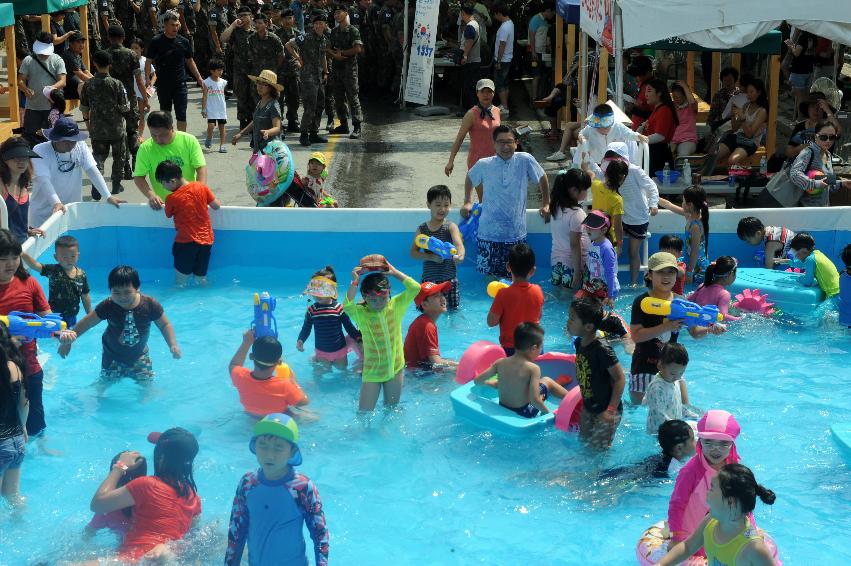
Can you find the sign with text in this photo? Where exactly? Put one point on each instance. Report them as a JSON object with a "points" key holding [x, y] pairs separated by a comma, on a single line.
{"points": [[421, 65], [596, 20]]}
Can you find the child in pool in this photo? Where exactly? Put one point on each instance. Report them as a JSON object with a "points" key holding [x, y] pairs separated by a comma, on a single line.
{"points": [[613, 325], [521, 301], [273, 504], [775, 239], [602, 263], [676, 438], [599, 374], [716, 431], [650, 332], [696, 212], [673, 245], [666, 397], [727, 534], [435, 268], [845, 288], [520, 385], [719, 274], [326, 316], [422, 348], [379, 319], [118, 521], [570, 240], [69, 284], [817, 267], [129, 315], [605, 195]]}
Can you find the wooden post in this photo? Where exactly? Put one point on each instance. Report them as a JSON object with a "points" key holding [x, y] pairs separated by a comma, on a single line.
{"points": [[583, 75], [690, 70], [737, 61], [45, 22], [773, 90], [558, 60], [84, 29], [14, 110], [603, 76], [716, 70], [571, 51]]}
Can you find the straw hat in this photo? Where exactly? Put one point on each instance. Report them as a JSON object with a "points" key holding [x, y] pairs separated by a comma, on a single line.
{"points": [[267, 77]]}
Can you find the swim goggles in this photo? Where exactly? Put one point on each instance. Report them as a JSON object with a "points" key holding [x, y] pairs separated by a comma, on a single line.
{"points": [[321, 287], [377, 293]]}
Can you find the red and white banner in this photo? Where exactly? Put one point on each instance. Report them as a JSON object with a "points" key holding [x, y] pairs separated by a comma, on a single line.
{"points": [[596, 20]]}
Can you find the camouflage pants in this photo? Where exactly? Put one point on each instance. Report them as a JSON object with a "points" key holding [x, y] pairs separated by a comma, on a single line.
{"points": [[345, 82], [100, 151], [329, 94], [242, 88], [132, 138], [312, 99], [292, 88]]}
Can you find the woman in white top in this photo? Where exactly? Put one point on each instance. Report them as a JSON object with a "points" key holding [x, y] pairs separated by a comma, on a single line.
{"points": [[58, 175], [747, 126]]}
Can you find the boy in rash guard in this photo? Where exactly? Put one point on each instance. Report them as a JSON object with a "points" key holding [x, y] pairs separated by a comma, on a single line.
{"points": [[273, 504]]}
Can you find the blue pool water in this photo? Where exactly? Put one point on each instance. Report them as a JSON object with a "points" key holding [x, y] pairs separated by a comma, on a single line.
{"points": [[415, 485]]}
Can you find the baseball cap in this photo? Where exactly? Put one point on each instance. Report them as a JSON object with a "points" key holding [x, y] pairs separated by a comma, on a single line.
{"points": [[597, 220], [428, 289], [282, 426], [485, 83], [662, 260]]}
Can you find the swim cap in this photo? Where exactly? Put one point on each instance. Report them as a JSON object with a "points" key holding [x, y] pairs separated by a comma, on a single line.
{"points": [[718, 425], [282, 426]]}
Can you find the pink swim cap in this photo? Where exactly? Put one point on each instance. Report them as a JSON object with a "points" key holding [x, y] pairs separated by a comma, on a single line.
{"points": [[718, 425]]}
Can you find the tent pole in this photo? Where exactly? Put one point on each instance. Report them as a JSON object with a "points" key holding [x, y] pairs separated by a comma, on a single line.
{"points": [[583, 75], [45, 22], [603, 76], [14, 109], [774, 74], [571, 52], [618, 47], [403, 79], [716, 70], [558, 61], [736, 62], [84, 29]]}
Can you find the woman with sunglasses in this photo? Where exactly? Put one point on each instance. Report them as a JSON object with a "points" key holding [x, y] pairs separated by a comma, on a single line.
{"points": [[812, 170]]}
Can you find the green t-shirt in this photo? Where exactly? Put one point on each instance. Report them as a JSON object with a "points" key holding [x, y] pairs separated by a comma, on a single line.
{"points": [[183, 150]]}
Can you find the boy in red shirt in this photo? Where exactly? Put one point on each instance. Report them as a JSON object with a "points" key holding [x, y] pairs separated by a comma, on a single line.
{"points": [[521, 301], [188, 204], [421, 344]]}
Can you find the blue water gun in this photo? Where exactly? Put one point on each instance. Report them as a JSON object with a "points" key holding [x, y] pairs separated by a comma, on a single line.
{"points": [[470, 226], [31, 326], [264, 321], [692, 314], [438, 247]]}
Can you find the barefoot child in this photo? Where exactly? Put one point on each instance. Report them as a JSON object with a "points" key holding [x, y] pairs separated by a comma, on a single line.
{"points": [[422, 348], [271, 386], [435, 268], [68, 284], [273, 504], [696, 212], [213, 105], [379, 319], [666, 397], [188, 203], [520, 385], [521, 301], [129, 315], [570, 240], [118, 521]]}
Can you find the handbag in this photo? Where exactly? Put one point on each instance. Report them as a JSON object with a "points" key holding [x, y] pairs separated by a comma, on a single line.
{"points": [[782, 189]]}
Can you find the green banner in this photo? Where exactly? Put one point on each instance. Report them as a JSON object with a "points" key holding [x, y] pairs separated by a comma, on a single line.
{"points": [[37, 7], [7, 15]]}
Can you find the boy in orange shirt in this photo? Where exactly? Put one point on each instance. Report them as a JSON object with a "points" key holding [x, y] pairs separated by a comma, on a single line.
{"points": [[521, 301], [188, 204]]}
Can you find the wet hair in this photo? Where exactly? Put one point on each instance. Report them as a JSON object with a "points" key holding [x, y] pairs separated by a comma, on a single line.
{"points": [[215, 64], [266, 350], [560, 197], [375, 282], [503, 129], [173, 456], [696, 196], [66, 242], [737, 481], [729, 71], [671, 242], [674, 353], [137, 470], [672, 433], [9, 353], [438, 191], [5, 172], [588, 311], [846, 256], [616, 172], [521, 259], [328, 272], [718, 269], [160, 119], [748, 227], [527, 335], [168, 171], [123, 276], [802, 241], [102, 58], [10, 246], [661, 88], [11, 350], [57, 100]]}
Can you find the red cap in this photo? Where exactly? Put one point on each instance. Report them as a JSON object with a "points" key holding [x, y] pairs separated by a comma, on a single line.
{"points": [[428, 289]]}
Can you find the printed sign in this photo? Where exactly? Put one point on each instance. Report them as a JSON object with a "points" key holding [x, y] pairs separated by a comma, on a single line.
{"points": [[418, 82]]}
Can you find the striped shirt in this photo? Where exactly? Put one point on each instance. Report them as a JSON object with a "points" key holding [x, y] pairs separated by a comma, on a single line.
{"points": [[438, 272], [328, 321]]}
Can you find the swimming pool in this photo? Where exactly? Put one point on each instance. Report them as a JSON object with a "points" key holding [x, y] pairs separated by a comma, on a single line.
{"points": [[416, 485]]}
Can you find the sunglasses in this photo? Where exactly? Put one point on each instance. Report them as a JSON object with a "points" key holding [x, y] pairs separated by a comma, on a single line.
{"points": [[827, 137]]}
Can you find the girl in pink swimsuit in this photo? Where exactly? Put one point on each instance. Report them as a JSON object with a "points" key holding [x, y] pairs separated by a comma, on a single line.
{"points": [[719, 274]]}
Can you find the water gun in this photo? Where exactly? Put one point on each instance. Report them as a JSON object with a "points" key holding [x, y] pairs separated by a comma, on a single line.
{"points": [[31, 326], [264, 321], [690, 313], [328, 202], [438, 247], [495, 287], [470, 226]]}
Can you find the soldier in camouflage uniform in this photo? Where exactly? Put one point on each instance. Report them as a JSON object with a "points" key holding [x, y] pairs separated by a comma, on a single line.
{"points": [[106, 17], [343, 48], [188, 23], [289, 71], [360, 18], [125, 68], [124, 16], [104, 105], [236, 37], [265, 50], [387, 59], [146, 20], [309, 51], [94, 27], [203, 47]]}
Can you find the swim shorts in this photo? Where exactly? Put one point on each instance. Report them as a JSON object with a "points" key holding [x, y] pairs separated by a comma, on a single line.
{"points": [[561, 275], [140, 370], [530, 411], [636, 231], [492, 258], [638, 382], [191, 258]]}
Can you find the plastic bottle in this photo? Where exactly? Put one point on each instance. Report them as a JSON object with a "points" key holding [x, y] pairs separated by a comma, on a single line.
{"points": [[687, 173], [763, 166], [666, 174]]}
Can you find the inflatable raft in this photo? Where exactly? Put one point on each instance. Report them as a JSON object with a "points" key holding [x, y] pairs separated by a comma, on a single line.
{"points": [[782, 287]]}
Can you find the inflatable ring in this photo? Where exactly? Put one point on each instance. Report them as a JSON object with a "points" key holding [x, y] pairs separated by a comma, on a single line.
{"points": [[653, 545], [269, 173]]}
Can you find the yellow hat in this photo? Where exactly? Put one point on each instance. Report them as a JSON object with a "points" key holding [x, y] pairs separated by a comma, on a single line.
{"points": [[318, 156]]}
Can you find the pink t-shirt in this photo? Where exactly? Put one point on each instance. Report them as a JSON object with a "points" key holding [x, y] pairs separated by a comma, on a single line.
{"points": [[687, 129], [714, 294]]}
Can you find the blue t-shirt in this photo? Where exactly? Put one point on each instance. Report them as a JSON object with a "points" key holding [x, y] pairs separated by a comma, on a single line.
{"points": [[503, 217], [845, 298]]}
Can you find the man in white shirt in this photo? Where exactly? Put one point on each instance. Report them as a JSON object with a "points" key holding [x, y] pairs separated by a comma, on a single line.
{"points": [[504, 53]]}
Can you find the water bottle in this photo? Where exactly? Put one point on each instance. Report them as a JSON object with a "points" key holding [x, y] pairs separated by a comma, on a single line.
{"points": [[763, 166], [687, 173], [666, 174]]}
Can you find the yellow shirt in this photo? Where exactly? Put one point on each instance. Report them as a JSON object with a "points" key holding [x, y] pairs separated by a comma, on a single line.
{"points": [[607, 200]]}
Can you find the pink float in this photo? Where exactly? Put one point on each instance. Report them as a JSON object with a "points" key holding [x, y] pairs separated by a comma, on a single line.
{"points": [[752, 301]]}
